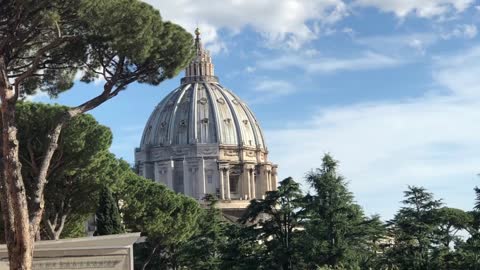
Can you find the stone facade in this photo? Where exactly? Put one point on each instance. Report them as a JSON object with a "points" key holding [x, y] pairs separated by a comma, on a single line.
{"points": [[112, 252], [203, 139]]}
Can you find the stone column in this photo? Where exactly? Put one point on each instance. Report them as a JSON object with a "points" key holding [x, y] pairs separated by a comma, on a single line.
{"points": [[222, 188], [201, 179], [194, 182], [253, 183], [227, 172], [186, 179], [249, 186], [275, 177], [156, 172], [169, 176], [269, 176]]}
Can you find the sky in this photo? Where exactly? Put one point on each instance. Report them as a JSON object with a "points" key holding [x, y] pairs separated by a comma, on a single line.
{"points": [[390, 88]]}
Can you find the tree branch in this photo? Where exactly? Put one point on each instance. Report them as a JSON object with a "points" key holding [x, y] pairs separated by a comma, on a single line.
{"points": [[36, 61]]}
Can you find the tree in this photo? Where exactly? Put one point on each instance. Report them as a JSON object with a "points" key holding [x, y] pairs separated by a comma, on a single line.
{"points": [[43, 44], [77, 167], [243, 251], [203, 251], [336, 228], [468, 252], [167, 219], [414, 228], [107, 217], [451, 221], [277, 221]]}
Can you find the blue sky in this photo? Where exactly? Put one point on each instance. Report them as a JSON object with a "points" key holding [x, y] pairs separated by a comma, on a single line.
{"points": [[391, 88]]}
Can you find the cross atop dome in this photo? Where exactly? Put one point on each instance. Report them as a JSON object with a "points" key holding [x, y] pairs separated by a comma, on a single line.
{"points": [[201, 68]]}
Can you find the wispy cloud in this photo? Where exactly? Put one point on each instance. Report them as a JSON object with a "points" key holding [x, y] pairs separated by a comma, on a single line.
{"points": [[365, 61], [420, 8], [276, 87], [384, 146]]}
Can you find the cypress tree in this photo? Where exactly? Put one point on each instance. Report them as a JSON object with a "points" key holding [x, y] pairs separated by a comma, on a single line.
{"points": [[107, 215]]}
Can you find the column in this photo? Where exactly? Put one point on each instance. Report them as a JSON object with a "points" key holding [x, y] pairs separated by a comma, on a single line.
{"points": [[252, 179], [275, 178], [156, 172], [222, 189], [194, 183], [201, 180], [249, 186], [186, 179], [269, 184], [169, 175], [227, 172]]}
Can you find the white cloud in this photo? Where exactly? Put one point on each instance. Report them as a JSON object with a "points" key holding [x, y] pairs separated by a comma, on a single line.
{"points": [[276, 87], [365, 61], [399, 44], [420, 8], [467, 31], [384, 146], [278, 21]]}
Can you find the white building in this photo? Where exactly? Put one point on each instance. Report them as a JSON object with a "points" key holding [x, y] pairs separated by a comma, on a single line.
{"points": [[203, 139]]}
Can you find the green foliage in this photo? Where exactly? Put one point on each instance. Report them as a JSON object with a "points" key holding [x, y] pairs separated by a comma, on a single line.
{"points": [[121, 41], [107, 216], [168, 220], [243, 251], [414, 228], [336, 229], [277, 220], [78, 167], [75, 226], [203, 251]]}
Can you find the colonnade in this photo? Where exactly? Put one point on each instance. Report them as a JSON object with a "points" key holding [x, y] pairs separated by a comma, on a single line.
{"points": [[253, 180]]}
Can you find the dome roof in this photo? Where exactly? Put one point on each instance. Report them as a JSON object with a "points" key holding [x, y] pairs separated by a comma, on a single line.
{"points": [[198, 113], [201, 111]]}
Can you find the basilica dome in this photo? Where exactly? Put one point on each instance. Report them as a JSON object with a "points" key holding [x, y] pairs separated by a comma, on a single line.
{"points": [[203, 139], [203, 113]]}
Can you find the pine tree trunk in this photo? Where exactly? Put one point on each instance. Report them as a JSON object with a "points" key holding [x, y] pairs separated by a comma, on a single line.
{"points": [[17, 226]]}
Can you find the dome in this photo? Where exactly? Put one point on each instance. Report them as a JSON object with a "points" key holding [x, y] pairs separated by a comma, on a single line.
{"points": [[203, 113], [203, 139]]}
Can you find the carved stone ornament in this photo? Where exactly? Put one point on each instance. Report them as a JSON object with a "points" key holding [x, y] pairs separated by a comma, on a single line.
{"points": [[181, 151], [234, 101], [231, 153], [203, 101], [208, 151]]}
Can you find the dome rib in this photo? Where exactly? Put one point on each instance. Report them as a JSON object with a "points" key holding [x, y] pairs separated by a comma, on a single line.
{"points": [[173, 116], [215, 114], [234, 114]]}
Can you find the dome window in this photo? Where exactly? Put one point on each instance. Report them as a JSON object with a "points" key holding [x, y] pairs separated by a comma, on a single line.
{"points": [[221, 101], [204, 121]]}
